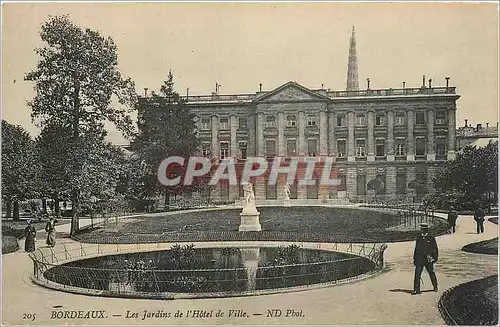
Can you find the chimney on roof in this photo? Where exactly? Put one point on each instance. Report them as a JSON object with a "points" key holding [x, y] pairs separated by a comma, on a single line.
{"points": [[430, 82], [404, 85], [466, 122], [145, 91], [368, 83], [322, 86], [423, 80], [487, 125], [260, 87], [478, 127], [447, 81]]}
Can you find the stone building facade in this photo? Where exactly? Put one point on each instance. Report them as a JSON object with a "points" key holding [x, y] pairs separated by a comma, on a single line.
{"points": [[398, 136]]}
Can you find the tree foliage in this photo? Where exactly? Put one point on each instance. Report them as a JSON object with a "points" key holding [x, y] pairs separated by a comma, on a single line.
{"points": [[166, 128], [19, 165], [471, 177], [78, 88]]}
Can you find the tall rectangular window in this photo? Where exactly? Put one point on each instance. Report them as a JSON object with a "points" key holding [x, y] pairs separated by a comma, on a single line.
{"points": [[381, 178], [311, 120], [291, 121], [271, 191], [243, 150], [270, 121], [341, 148], [380, 147], [420, 118], [242, 123], [205, 124], [340, 120], [420, 146], [224, 150], [224, 124], [400, 183], [342, 186], [440, 146], [361, 184], [312, 147], [399, 119], [206, 149], [360, 147], [291, 147], [380, 120], [270, 148], [400, 147], [421, 177], [440, 117], [360, 120]]}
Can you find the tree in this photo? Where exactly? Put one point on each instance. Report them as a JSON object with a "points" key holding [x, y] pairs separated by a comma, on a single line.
{"points": [[166, 128], [471, 177], [18, 166], [79, 87], [54, 150]]}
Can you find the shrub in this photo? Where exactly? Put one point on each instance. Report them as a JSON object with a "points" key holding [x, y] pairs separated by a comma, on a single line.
{"points": [[9, 244]]}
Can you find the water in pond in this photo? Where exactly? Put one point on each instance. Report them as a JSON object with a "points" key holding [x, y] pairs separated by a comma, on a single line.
{"points": [[204, 270]]}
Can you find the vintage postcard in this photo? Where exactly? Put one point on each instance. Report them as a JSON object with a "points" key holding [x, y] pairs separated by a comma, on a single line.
{"points": [[259, 163]]}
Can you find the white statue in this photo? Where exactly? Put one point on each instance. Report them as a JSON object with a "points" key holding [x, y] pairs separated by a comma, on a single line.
{"points": [[287, 192], [249, 194], [249, 215]]}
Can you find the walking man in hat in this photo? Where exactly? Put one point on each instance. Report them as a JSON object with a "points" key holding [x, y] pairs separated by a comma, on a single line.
{"points": [[425, 256], [452, 219]]}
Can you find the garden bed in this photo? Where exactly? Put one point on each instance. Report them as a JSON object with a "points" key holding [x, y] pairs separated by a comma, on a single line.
{"points": [[473, 303], [484, 247], [321, 224]]}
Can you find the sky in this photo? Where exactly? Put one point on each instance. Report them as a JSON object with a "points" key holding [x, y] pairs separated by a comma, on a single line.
{"points": [[240, 45]]}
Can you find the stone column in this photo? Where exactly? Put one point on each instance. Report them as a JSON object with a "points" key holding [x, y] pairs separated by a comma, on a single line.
{"points": [[260, 135], [451, 134], [431, 172], [390, 135], [302, 136], [332, 142], [352, 183], [390, 181], [371, 141], [252, 139], [350, 137], [431, 153], [323, 132], [410, 154], [234, 141], [215, 138], [281, 134]]}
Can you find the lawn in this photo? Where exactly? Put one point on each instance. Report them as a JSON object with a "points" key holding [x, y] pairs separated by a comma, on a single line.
{"points": [[278, 223], [474, 303]]}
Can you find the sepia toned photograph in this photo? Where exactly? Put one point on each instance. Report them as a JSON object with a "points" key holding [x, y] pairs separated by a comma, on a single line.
{"points": [[249, 163]]}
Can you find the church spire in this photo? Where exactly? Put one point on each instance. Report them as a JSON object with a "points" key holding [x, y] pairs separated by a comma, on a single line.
{"points": [[352, 67]]}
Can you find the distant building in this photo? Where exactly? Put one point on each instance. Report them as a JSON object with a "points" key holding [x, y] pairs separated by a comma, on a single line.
{"points": [[399, 136], [480, 135]]}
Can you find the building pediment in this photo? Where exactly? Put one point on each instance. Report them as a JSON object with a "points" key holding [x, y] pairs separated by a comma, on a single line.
{"points": [[290, 92]]}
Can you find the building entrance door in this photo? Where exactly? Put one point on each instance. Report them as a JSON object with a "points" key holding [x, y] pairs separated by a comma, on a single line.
{"points": [[312, 191]]}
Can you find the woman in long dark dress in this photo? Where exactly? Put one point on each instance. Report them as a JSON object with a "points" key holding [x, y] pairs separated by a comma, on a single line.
{"points": [[30, 234], [50, 228]]}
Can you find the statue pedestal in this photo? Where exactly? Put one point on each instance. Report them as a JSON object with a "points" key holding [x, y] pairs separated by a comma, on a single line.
{"points": [[250, 219], [287, 202]]}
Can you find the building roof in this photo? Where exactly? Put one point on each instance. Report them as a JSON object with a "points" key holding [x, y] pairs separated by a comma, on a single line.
{"points": [[482, 142]]}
